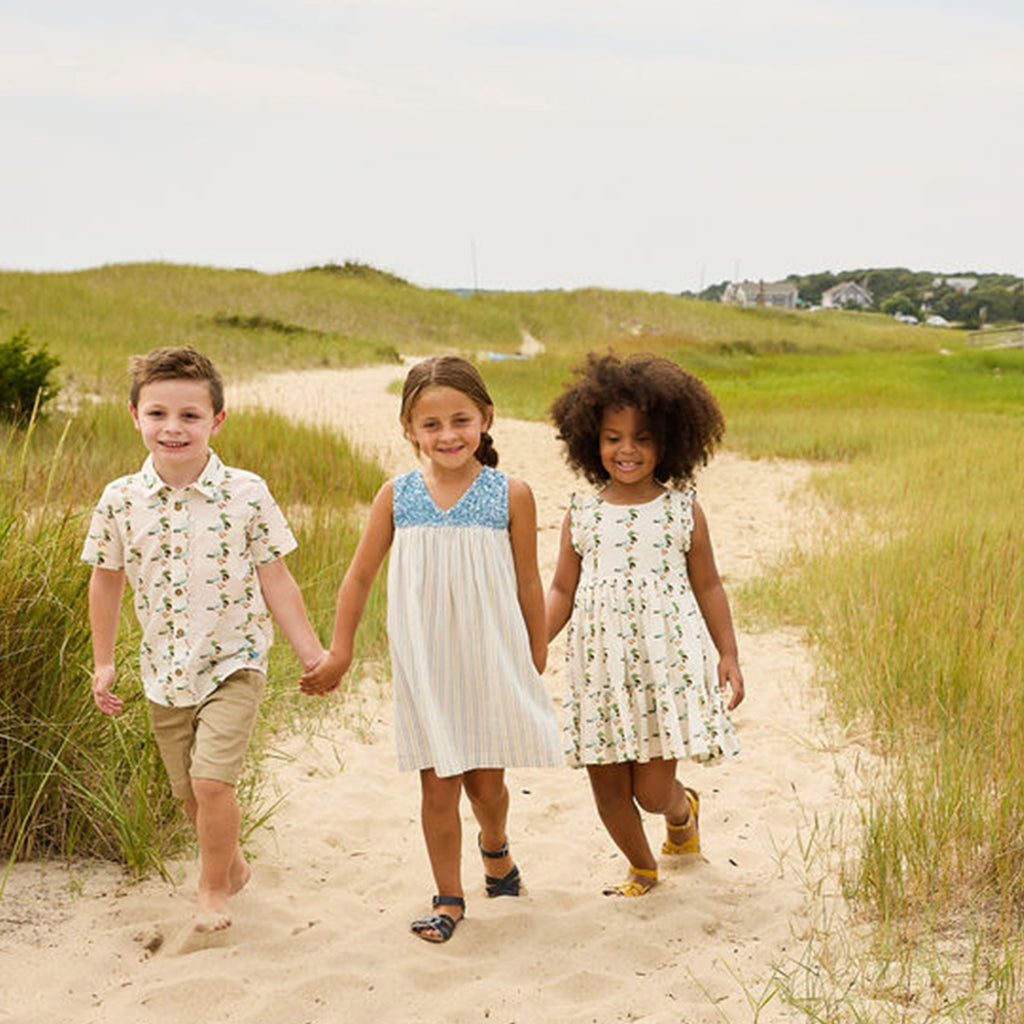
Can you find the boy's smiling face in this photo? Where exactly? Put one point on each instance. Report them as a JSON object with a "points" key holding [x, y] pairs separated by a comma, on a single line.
{"points": [[176, 420]]}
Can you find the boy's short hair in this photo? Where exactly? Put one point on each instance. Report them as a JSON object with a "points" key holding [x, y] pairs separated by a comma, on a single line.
{"points": [[182, 363]]}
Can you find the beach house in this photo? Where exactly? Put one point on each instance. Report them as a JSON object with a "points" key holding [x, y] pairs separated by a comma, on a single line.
{"points": [[846, 295], [780, 294]]}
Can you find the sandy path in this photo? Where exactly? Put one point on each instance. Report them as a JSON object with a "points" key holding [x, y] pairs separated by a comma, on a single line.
{"points": [[321, 933]]}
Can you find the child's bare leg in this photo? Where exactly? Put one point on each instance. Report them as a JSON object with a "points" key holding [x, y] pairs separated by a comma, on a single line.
{"points": [[442, 830], [223, 870], [240, 870], [488, 796], [612, 785], [658, 791]]}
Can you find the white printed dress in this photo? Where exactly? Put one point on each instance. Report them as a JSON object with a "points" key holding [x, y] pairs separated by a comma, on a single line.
{"points": [[467, 694], [642, 670]]}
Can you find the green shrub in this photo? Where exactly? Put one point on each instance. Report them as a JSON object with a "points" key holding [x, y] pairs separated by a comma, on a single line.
{"points": [[24, 378]]}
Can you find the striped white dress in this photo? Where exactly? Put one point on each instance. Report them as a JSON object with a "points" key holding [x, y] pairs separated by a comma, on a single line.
{"points": [[467, 694]]}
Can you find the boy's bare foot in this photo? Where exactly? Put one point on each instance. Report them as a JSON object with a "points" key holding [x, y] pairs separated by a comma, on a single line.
{"points": [[240, 874], [213, 914]]}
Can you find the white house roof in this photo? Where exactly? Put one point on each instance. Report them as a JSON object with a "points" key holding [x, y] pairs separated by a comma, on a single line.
{"points": [[844, 286]]}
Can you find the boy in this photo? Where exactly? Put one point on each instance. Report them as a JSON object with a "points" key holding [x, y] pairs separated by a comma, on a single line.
{"points": [[202, 545]]}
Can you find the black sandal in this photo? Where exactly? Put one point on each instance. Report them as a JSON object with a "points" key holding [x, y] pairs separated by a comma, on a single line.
{"points": [[509, 884], [443, 924]]}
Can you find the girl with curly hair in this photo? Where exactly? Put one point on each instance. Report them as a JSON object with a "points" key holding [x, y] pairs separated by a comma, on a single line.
{"points": [[636, 581]]}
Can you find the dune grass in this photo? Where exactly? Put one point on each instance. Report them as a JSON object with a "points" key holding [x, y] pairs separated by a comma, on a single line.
{"points": [[73, 782], [93, 320], [914, 607], [913, 602]]}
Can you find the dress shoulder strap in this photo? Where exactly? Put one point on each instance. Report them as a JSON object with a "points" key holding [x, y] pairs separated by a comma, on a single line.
{"points": [[681, 502]]}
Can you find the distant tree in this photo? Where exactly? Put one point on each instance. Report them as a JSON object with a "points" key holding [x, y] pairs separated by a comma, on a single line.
{"points": [[999, 302], [901, 303], [24, 377], [888, 281], [810, 286], [1018, 304], [959, 307], [713, 292]]}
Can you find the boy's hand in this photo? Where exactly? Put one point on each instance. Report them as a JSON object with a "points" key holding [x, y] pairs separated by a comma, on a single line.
{"points": [[308, 666], [102, 680], [326, 675]]}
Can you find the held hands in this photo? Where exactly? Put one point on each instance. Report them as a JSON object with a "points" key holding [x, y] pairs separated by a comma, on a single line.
{"points": [[102, 680], [325, 675], [731, 678]]}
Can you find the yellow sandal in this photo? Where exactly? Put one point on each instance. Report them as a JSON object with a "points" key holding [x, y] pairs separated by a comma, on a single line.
{"points": [[692, 843], [631, 887]]}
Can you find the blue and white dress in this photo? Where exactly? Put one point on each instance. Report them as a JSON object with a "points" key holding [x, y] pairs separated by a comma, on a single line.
{"points": [[467, 694]]}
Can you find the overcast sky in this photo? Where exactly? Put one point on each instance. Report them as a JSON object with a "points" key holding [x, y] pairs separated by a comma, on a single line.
{"points": [[652, 144]]}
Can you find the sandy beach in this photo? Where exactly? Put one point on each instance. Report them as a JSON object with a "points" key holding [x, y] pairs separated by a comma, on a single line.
{"points": [[321, 933]]}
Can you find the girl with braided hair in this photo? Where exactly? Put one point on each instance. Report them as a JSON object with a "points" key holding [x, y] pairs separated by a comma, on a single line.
{"points": [[466, 627]]}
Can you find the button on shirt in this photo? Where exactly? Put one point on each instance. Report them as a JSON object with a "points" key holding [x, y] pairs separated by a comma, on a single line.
{"points": [[190, 556]]}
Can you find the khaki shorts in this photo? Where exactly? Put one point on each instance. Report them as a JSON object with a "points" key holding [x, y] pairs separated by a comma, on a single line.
{"points": [[209, 740]]}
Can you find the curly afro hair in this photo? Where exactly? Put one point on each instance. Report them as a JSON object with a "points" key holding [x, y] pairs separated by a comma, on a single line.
{"points": [[682, 414]]}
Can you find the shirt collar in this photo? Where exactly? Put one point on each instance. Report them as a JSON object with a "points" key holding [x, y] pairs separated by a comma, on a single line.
{"points": [[207, 483]]}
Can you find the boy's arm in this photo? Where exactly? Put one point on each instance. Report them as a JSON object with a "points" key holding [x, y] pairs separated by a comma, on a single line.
{"points": [[714, 606], [106, 588], [355, 588], [522, 527], [562, 591], [284, 599]]}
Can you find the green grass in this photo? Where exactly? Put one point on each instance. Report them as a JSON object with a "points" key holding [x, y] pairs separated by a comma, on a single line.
{"points": [[913, 601], [859, 381], [73, 782], [913, 604], [570, 322], [93, 320], [916, 613]]}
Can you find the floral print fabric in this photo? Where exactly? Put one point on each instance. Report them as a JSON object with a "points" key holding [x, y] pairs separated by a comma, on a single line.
{"points": [[642, 677], [190, 556]]}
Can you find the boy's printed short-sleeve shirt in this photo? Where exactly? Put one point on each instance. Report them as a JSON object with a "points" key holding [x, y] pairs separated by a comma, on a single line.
{"points": [[190, 556]]}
